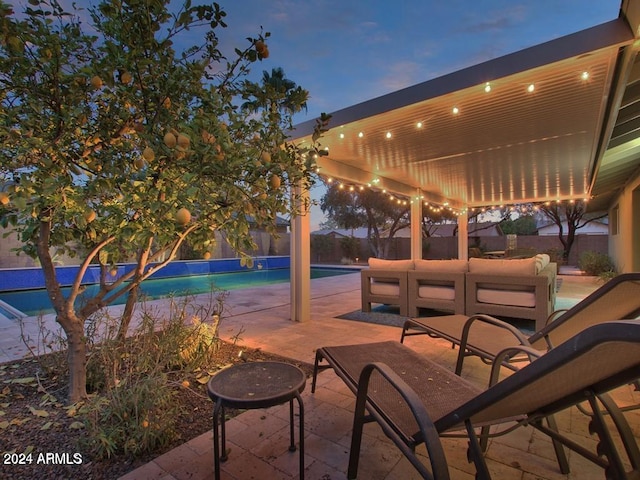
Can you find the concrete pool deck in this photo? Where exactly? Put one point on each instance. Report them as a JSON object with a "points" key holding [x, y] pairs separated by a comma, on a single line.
{"points": [[258, 439]]}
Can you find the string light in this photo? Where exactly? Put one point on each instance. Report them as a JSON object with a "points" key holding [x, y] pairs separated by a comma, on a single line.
{"points": [[455, 109]]}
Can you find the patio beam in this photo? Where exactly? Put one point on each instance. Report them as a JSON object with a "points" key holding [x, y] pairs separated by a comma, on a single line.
{"points": [[329, 168]]}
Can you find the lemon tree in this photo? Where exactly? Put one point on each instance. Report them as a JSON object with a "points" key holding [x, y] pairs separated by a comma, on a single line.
{"points": [[119, 139]]}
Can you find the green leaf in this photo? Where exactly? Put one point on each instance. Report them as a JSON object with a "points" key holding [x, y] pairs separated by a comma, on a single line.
{"points": [[21, 381], [76, 426], [38, 413]]}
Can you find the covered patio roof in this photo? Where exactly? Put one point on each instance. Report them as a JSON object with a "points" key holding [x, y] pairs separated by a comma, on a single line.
{"points": [[556, 121]]}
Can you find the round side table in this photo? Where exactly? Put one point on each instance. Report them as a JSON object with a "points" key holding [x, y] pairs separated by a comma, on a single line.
{"points": [[255, 385]]}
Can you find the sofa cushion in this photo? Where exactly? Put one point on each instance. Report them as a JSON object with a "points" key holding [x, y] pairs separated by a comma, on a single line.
{"points": [[506, 297], [444, 266], [438, 292], [391, 289], [542, 260], [383, 264], [486, 266]]}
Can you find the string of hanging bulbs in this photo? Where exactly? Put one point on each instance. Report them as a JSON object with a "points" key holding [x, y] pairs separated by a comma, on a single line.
{"points": [[527, 208]]}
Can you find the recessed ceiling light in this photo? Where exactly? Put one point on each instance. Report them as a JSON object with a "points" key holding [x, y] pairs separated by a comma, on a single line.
{"points": [[585, 76], [361, 134], [531, 88], [456, 110], [419, 124], [487, 87], [388, 135]]}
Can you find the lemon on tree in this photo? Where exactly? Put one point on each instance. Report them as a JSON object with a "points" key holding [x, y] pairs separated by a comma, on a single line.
{"points": [[89, 215], [183, 216], [170, 140], [138, 163], [183, 141], [148, 154], [96, 82]]}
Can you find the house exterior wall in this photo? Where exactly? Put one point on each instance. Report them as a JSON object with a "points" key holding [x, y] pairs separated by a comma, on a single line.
{"points": [[593, 228], [624, 224], [10, 259]]}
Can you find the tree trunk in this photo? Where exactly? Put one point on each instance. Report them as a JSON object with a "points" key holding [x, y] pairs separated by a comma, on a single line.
{"points": [[65, 315], [77, 358], [127, 314], [132, 296]]}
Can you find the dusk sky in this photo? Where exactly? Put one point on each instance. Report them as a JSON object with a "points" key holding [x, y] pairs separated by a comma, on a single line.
{"points": [[347, 52]]}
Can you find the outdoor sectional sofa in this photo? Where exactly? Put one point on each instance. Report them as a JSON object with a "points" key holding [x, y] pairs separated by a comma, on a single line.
{"points": [[518, 288]]}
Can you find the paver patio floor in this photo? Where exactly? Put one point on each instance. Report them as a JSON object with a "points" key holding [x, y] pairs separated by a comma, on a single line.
{"points": [[258, 439]]}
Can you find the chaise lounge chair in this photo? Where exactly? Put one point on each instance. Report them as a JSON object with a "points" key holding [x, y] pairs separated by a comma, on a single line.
{"points": [[415, 400], [485, 336]]}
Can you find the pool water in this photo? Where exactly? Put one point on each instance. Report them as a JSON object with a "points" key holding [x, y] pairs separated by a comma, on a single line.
{"points": [[34, 302]]}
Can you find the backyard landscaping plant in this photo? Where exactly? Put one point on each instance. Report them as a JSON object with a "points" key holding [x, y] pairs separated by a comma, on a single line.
{"points": [[120, 140]]}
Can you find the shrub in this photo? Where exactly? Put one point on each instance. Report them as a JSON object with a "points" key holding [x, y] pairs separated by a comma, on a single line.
{"points": [[134, 417], [350, 247], [594, 263], [132, 410], [556, 255]]}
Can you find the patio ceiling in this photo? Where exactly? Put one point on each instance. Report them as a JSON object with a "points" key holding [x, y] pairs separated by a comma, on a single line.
{"points": [[530, 126]]}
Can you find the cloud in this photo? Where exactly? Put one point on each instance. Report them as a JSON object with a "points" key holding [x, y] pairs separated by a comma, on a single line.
{"points": [[498, 20], [401, 74]]}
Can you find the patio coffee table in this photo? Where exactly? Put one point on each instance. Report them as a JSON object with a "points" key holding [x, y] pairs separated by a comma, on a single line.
{"points": [[255, 385]]}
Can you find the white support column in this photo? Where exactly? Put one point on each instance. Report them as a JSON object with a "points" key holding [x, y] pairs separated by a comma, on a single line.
{"points": [[300, 252], [416, 229], [463, 236]]}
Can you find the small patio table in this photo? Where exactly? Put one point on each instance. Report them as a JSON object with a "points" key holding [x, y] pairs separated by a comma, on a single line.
{"points": [[255, 385]]}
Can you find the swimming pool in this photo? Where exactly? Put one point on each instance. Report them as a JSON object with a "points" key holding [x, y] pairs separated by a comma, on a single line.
{"points": [[36, 301]]}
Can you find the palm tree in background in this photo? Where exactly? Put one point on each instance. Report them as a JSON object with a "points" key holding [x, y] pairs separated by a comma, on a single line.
{"points": [[276, 93]]}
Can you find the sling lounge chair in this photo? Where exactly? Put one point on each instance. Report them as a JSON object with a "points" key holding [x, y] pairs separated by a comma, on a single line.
{"points": [[485, 336], [414, 399]]}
